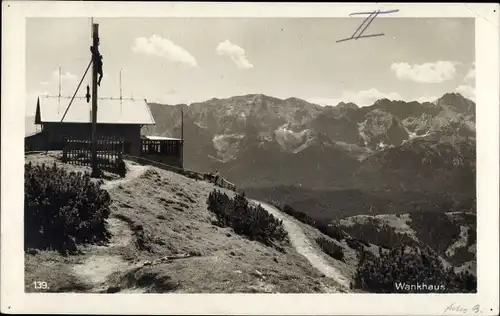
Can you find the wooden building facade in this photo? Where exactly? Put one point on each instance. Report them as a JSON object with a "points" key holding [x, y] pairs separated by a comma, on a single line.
{"points": [[165, 150], [115, 118], [53, 134]]}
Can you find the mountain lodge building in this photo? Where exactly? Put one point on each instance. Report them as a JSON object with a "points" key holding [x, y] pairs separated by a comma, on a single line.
{"points": [[121, 118]]}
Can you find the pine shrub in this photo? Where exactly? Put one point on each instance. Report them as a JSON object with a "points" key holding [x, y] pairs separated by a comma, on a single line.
{"points": [[330, 248], [303, 217], [330, 229], [62, 209], [355, 244], [253, 222]]}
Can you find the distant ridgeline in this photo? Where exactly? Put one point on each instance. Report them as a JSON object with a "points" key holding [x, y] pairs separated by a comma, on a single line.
{"points": [[265, 143]]}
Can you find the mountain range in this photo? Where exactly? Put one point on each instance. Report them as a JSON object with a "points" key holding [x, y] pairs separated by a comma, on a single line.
{"points": [[333, 160], [261, 143]]}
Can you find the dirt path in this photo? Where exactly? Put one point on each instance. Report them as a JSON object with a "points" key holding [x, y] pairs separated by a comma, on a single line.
{"points": [[303, 246], [98, 266], [134, 171], [95, 269]]}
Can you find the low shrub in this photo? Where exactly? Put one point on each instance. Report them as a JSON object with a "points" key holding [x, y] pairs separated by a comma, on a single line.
{"points": [[330, 248], [329, 229], [355, 244], [253, 222], [62, 209], [303, 217]]}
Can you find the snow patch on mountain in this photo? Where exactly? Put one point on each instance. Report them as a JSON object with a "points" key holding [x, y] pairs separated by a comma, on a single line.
{"points": [[226, 145], [382, 127], [201, 125], [361, 126], [290, 140]]}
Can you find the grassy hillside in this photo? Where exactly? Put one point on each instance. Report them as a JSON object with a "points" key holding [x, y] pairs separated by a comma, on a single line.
{"points": [[164, 239]]}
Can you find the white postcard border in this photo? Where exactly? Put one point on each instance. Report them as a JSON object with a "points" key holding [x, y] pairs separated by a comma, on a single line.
{"points": [[13, 298]]}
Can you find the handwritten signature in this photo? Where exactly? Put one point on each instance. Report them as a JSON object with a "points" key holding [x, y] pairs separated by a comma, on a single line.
{"points": [[476, 309], [366, 23]]}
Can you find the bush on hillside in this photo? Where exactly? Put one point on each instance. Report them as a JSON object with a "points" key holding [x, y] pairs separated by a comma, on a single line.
{"points": [[303, 217], [356, 244], [410, 266], [253, 222], [330, 248], [332, 230], [62, 209], [329, 229]]}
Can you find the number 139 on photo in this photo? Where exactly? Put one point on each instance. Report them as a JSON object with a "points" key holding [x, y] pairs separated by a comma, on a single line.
{"points": [[40, 285]]}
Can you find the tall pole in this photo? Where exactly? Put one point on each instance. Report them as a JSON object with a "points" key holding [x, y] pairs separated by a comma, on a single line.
{"points": [[182, 124], [95, 56], [182, 139], [59, 98]]}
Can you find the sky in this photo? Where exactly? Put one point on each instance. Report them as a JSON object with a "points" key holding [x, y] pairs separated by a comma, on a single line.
{"points": [[184, 60]]}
